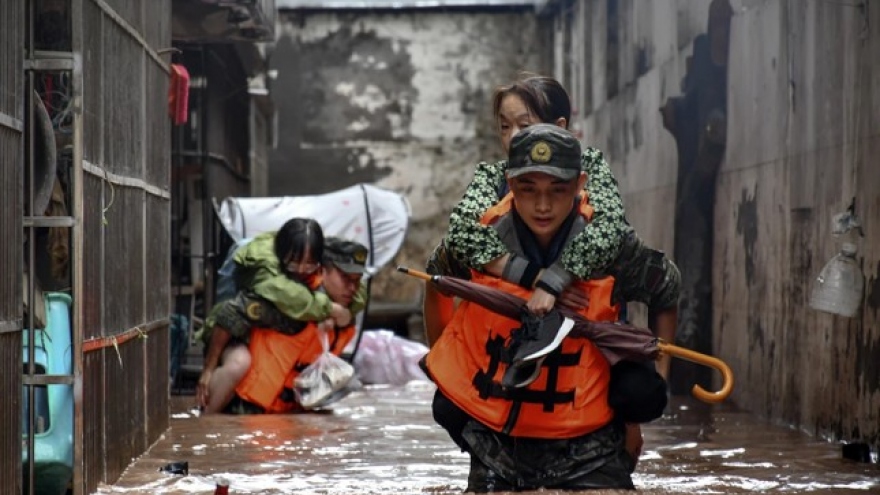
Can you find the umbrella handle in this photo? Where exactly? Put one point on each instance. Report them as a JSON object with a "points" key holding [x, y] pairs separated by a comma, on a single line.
{"points": [[706, 360], [415, 273]]}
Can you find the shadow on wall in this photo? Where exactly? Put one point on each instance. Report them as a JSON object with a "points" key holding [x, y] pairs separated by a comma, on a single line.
{"points": [[697, 121]]}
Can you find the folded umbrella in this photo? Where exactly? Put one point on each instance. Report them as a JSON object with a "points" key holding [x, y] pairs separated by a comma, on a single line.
{"points": [[616, 341]]}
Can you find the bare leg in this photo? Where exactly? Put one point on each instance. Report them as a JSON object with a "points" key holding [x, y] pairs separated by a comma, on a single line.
{"points": [[236, 362]]}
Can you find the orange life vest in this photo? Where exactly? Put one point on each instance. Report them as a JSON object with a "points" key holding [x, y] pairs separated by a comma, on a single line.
{"points": [[569, 397], [277, 359]]}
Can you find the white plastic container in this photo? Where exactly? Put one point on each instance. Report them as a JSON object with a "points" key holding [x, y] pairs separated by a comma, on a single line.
{"points": [[838, 288]]}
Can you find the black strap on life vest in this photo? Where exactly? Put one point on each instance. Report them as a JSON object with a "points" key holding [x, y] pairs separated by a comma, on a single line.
{"points": [[499, 353]]}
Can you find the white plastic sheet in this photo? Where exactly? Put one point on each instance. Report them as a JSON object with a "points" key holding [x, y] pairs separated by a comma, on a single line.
{"points": [[375, 217]]}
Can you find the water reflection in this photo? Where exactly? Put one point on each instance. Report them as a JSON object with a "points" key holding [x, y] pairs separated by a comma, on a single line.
{"points": [[383, 440]]}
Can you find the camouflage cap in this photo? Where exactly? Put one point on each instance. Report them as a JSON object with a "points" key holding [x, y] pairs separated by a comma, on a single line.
{"points": [[545, 148], [348, 256]]}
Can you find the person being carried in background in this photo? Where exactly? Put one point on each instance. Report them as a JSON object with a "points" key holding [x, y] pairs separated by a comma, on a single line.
{"points": [[282, 268], [608, 246], [545, 423], [278, 358]]}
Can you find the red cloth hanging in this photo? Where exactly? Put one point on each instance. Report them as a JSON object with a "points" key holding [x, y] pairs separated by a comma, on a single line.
{"points": [[178, 94]]}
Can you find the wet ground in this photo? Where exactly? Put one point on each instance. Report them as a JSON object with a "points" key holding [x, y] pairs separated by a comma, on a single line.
{"points": [[382, 440]]}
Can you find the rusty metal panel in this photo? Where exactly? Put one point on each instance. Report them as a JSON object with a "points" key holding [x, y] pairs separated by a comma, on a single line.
{"points": [[11, 224], [125, 228], [158, 406], [158, 132], [11, 188], [130, 12], [10, 424], [93, 79], [158, 276], [94, 435], [157, 31], [11, 91], [93, 257], [11, 39], [124, 411], [123, 259], [123, 119]]}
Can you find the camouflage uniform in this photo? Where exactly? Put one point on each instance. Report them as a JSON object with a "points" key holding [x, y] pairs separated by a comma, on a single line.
{"points": [[645, 275]]}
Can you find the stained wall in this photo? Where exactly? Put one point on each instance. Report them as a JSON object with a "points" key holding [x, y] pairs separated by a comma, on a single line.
{"points": [[802, 126], [396, 98]]}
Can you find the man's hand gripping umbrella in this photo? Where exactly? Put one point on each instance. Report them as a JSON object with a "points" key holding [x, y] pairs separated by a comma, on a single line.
{"points": [[616, 341]]}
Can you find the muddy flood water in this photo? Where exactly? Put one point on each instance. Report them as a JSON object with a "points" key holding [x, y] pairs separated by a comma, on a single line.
{"points": [[382, 440]]}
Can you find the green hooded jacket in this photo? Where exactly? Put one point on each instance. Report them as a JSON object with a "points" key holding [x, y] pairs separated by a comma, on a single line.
{"points": [[258, 270]]}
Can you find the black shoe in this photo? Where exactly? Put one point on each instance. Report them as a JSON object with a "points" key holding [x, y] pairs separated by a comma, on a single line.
{"points": [[541, 335], [522, 374]]}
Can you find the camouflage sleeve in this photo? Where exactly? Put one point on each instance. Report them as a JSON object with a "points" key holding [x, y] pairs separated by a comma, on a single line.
{"points": [[442, 262], [645, 275], [473, 243], [598, 245]]}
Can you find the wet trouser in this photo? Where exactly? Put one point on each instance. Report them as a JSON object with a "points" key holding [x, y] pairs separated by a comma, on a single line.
{"points": [[636, 392], [503, 463]]}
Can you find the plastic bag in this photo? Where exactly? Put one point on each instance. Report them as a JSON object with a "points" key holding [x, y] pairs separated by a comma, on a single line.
{"points": [[385, 358], [325, 381]]}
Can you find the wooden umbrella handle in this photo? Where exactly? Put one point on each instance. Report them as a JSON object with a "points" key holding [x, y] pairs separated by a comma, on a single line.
{"points": [[706, 360], [415, 273]]}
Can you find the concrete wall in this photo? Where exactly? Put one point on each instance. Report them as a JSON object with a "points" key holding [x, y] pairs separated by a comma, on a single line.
{"points": [[801, 123], [802, 136], [399, 99], [620, 114]]}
